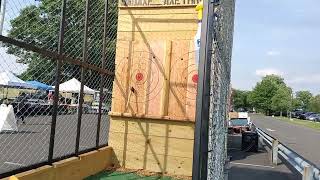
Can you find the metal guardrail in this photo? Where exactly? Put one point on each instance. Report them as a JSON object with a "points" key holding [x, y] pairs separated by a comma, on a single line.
{"points": [[308, 170]]}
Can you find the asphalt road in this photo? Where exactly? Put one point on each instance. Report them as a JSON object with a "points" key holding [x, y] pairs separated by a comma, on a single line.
{"points": [[303, 140], [31, 144]]}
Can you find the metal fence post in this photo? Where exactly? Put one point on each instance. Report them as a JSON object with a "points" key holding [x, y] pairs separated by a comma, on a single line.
{"points": [[200, 152], [275, 149], [106, 7], [57, 82], [307, 173], [83, 71]]}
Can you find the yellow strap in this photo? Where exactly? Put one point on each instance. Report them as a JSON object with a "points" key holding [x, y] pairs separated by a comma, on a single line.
{"points": [[199, 8], [13, 178]]}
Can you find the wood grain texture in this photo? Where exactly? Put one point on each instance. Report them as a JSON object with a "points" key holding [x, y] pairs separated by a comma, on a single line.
{"points": [[150, 44], [155, 94], [177, 129], [191, 83], [120, 84], [159, 11], [178, 80], [166, 82], [156, 77], [156, 145], [154, 58], [159, 35], [157, 23]]}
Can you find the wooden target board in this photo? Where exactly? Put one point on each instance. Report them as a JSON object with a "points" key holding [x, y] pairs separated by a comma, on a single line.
{"points": [[155, 86], [156, 80]]}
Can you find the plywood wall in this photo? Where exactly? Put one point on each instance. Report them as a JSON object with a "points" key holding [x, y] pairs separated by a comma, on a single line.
{"points": [[156, 76], [155, 145], [160, 23], [156, 80]]}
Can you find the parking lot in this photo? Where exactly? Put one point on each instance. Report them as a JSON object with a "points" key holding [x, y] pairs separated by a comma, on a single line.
{"points": [[30, 145]]}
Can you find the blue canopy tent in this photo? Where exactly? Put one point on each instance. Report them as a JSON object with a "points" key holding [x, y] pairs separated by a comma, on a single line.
{"points": [[40, 85]]}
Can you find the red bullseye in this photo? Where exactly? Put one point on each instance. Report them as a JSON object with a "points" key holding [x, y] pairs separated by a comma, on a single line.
{"points": [[139, 76], [195, 78]]}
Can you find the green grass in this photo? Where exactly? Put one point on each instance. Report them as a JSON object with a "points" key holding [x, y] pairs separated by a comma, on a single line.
{"points": [[306, 123], [125, 176]]}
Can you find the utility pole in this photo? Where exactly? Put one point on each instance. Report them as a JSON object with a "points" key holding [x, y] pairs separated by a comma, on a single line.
{"points": [[201, 137], [2, 13]]}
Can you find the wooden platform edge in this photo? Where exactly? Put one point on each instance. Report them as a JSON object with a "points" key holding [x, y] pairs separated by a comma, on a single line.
{"points": [[142, 116]]}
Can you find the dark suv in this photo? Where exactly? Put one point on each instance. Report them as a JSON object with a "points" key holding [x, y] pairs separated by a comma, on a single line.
{"points": [[296, 114], [305, 115]]}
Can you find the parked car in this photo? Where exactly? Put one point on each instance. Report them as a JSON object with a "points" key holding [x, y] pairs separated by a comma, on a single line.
{"points": [[305, 115], [239, 125], [25, 105], [314, 117], [94, 108], [296, 114]]}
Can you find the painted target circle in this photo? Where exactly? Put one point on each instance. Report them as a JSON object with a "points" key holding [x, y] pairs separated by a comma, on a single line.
{"points": [[139, 76], [195, 78], [184, 78], [143, 71]]}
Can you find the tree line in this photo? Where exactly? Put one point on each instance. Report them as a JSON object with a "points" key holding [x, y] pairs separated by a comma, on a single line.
{"points": [[273, 95], [39, 25]]}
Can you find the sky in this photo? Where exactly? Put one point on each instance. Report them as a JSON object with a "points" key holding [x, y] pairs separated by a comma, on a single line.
{"points": [[7, 61], [270, 37], [277, 37]]}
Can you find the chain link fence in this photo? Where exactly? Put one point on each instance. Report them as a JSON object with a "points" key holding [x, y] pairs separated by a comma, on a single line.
{"points": [[222, 34], [210, 152], [56, 74]]}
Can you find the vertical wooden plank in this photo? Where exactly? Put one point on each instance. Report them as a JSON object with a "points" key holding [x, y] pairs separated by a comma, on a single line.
{"points": [[122, 61], [166, 82], [139, 75], [178, 79], [145, 76], [149, 76], [126, 79], [157, 73], [191, 84]]}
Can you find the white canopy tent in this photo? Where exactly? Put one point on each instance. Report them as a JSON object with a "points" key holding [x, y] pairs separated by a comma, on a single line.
{"points": [[73, 86], [7, 79]]}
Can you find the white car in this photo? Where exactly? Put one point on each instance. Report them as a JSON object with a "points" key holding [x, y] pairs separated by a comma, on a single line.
{"points": [[94, 108]]}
